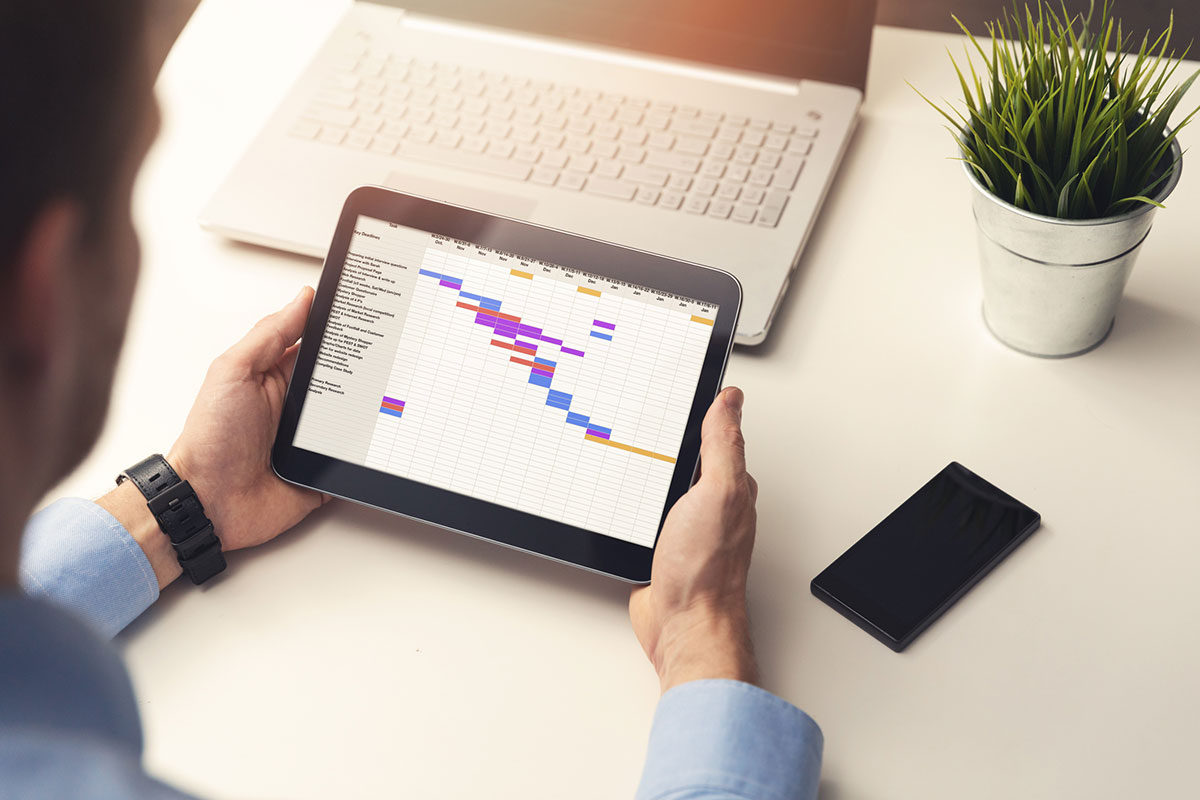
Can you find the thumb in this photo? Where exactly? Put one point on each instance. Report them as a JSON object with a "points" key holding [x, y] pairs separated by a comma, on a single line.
{"points": [[722, 448], [265, 344]]}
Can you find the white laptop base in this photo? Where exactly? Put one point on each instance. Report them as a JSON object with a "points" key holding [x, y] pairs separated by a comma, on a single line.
{"points": [[719, 168]]}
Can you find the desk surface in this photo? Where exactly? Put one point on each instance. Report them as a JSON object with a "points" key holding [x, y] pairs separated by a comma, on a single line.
{"points": [[367, 656]]}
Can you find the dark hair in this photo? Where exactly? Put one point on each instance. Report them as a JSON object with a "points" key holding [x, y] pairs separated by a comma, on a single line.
{"points": [[68, 86]]}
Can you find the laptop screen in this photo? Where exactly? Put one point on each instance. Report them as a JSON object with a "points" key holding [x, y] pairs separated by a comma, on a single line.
{"points": [[817, 39]]}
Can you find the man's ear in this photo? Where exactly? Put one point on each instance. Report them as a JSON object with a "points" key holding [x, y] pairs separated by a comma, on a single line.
{"points": [[38, 283]]}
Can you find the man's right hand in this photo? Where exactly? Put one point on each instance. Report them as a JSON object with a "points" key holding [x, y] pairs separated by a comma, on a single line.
{"points": [[691, 619]]}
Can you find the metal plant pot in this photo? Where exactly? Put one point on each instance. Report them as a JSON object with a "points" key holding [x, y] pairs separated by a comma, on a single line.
{"points": [[1051, 286]]}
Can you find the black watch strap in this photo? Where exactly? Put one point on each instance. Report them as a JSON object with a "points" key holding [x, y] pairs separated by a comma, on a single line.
{"points": [[180, 514]]}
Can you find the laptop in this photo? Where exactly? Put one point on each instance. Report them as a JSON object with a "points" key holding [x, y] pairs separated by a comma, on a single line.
{"points": [[706, 132]]}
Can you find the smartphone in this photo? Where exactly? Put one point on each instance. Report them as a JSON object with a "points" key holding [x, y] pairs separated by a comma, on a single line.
{"points": [[895, 581]]}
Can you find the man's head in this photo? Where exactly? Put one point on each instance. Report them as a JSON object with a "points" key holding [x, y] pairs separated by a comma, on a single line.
{"points": [[78, 117]]}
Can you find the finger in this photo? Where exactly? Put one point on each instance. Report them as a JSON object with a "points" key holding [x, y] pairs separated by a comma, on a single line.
{"points": [[265, 344], [722, 448], [288, 362]]}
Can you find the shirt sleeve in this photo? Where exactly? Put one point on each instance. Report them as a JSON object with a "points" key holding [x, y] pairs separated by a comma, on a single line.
{"points": [[720, 739], [76, 555]]}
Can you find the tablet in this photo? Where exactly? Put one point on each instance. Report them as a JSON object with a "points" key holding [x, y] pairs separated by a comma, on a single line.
{"points": [[512, 382]]}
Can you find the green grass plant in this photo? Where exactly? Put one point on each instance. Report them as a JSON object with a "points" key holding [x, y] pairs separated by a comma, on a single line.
{"points": [[1065, 118]]}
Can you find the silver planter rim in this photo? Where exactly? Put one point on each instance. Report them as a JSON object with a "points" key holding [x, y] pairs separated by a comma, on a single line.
{"points": [[1144, 208]]}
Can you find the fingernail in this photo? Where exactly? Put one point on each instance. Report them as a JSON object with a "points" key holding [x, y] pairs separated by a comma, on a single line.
{"points": [[299, 294], [735, 397]]}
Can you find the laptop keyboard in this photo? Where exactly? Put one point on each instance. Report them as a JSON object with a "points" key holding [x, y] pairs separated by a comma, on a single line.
{"points": [[630, 149]]}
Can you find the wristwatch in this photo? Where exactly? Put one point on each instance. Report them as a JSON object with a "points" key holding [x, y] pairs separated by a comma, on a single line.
{"points": [[181, 516]]}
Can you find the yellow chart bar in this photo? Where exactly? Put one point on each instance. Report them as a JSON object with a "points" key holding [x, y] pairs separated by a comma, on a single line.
{"points": [[586, 290], [520, 274], [630, 448], [701, 320]]}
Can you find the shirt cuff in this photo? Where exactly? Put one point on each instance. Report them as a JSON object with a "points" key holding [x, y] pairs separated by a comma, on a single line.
{"points": [[76, 555], [721, 738]]}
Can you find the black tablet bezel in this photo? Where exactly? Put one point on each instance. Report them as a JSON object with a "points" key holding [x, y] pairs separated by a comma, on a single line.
{"points": [[458, 512]]}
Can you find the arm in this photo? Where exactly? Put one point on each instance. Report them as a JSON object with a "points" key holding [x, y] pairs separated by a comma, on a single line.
{"points": [[715, 734], [108, 560]]}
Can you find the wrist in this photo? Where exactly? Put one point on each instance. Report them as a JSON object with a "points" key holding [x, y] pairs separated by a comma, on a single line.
{"points": [[127, 505], [699, 645]]}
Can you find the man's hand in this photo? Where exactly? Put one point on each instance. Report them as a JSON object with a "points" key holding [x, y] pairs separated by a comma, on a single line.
{"points": [[691, 619], [225, 447]]}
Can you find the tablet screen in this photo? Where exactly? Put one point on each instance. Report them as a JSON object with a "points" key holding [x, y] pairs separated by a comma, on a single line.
{"points": [[519, 382]]}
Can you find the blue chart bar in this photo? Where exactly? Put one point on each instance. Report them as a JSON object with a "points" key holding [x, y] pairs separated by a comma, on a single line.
{"points": [[431, 274], [540, 380], [577, 419], [600, 335], [559, 400], [489, 303], [390, 412], [470, 296]]}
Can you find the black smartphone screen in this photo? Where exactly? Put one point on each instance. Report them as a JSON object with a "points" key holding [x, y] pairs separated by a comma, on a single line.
{"points": [[911, 567]]}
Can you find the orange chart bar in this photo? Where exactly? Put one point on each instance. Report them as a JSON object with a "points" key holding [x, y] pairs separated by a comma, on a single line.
{"points": [[630, 448], [702, 320], [520, 274], [586, 290]]}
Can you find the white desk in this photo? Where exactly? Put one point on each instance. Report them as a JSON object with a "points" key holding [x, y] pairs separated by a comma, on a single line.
{"points": [[365, 656]]}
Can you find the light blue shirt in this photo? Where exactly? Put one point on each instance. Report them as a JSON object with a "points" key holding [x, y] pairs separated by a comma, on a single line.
{"points": [[69, 726]]}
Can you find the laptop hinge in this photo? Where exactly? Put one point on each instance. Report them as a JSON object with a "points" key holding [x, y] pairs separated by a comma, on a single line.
{"points": [[625, 58]]}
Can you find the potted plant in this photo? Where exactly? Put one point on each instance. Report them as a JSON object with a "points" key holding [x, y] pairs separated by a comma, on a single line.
{"points": [[1065, 141]]}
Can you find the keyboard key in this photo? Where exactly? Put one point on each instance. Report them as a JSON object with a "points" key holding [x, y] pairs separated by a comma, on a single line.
{"points": [[383, 144], [580, 125], [604, 149], [370, 124], [695, 205], [775, 141], [501, 149], [673, 161], [656, 122], [331, 135], [720, 209], [450, 102], [737, 172], [555, 158], [609, 169], [745, 155], [474, 105], [572, 180], [761, 177], [359, 140], [544, 175], [447, 138], [342, 80], [807, 131], [705, 187], [689, 111], [647, 196], [768, 160], [679, 182], [760, 124], [305, 129], [608, 130], [334, 99], [368, 105], [737, 119], [712, 116], [445, 119], [398, 92], [713, 169], [523, 134], [421, 133], [629, 115], [528, 153], [671, 199], [609, 188], [722, 150], [661, 141], [473, 125], [783, 127], [744, 213], [467, 161], [582, 163], [527, 116], [649, 176], [729, 191], [603, 111], [474, 144], [631, 153], [691, 146], [754, 138], [550, 138], [494, 129], [788, 171], [397, 129], [577, 106], [753, 195], [663, 107], [342, 118], [768, 215], [421, 115], [639, 102], [694, 127], [729, 133], [799, 147], [554, 121], [577, 144], [502, 111]]}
